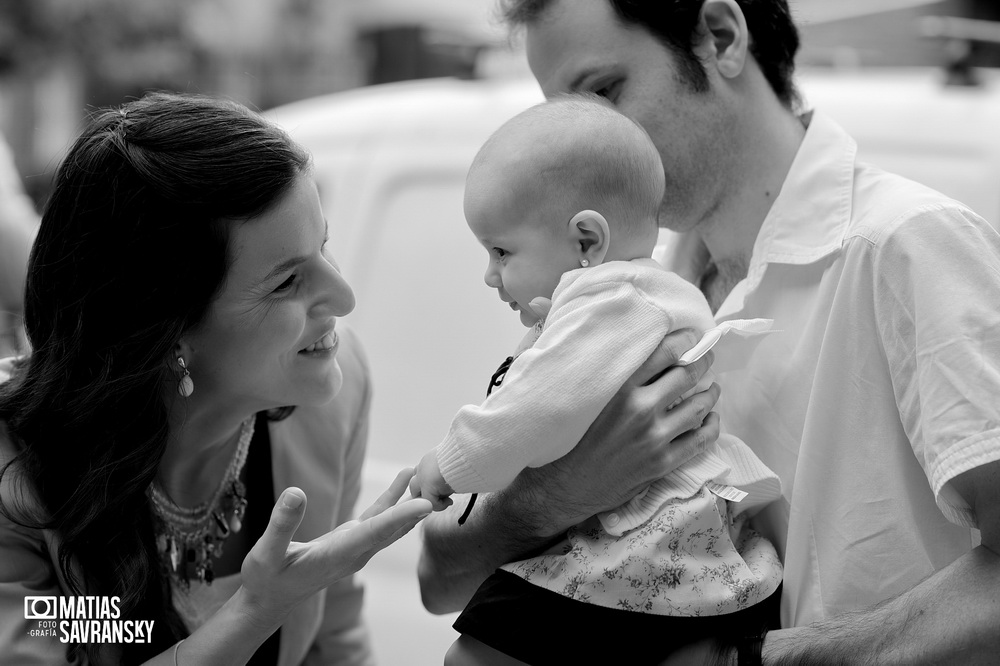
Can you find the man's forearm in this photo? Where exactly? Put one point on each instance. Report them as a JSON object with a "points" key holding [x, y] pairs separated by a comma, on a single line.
{"points": [[457, 558], [953, 617]]}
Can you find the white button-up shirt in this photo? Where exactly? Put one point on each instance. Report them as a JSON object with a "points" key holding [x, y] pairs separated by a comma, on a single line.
{"points": [[884, 383]]}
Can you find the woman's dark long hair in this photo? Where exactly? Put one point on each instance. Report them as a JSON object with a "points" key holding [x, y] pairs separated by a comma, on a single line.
{"points": [[132, 249]]}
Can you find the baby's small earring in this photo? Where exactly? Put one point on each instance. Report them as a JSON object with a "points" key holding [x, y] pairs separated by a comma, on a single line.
{"points": [[186, 385], [584, 262]]}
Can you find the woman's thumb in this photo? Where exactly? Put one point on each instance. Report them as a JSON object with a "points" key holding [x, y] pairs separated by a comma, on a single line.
{"points": [[285, 519]]}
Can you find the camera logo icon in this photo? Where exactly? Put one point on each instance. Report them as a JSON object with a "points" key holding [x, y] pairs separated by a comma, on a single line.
{"points": [[40, 608]]}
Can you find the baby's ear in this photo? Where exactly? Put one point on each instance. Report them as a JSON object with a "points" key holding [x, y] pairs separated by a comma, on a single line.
{"points": [[591, 235]]}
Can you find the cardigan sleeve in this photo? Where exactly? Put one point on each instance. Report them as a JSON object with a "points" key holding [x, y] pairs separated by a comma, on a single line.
{"points": [[600, 329]]}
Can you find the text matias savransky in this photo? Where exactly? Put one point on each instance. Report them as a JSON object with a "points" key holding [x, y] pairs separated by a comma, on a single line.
{"points": [[85, 619]]}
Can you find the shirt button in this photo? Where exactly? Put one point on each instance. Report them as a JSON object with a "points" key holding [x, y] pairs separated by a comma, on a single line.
{"points": [[613, 519]]}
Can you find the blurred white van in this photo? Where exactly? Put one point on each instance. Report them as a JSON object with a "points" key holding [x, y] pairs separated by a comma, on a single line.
{"points": [[390, 162]]}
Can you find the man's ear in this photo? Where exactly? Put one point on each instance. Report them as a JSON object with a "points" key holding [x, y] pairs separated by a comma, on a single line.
{"points": [[590, 234], [723, 38]]}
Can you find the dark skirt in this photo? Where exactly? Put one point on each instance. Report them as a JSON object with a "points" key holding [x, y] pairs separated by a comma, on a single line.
{"points": [[540, 627]]}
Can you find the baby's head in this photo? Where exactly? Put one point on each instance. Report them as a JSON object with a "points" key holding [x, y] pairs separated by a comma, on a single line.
{"points": [[568, 183]]}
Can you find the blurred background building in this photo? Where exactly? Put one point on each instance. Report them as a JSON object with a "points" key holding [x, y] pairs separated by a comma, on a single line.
{"points": [[59, 58]]}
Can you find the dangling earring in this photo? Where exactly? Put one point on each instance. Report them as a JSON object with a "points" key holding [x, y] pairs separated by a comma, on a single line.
{"points": [[584, 262], [186, 385]]}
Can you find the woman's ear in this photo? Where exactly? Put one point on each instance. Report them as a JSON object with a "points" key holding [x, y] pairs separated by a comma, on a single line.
{"points": [[723, 38], [590, 234], [181, 350], [180, 362]]}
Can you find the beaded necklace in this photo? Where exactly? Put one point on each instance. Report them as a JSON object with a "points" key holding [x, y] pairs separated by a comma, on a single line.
{"points": [[189, 539]]}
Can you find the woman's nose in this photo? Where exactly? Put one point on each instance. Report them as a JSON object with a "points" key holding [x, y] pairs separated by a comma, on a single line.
{"points": [[335, 297]]}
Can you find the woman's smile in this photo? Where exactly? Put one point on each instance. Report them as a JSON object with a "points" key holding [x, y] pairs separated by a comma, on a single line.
{"points": [[325, 347]]}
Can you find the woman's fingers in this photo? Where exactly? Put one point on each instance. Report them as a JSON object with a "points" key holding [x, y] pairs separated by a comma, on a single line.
{"points": [[391, 495], [285, 519], [349, 547], [393, 523]]}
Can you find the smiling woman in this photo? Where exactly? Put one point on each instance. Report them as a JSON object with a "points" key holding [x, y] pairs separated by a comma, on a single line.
{"points": [[187, 370], [271, 330]]}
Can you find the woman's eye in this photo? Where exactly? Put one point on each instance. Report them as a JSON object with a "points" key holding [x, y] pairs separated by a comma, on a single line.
{"points": [[287, 284]]}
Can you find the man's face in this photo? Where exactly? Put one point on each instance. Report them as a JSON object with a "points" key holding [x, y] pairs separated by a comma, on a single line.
{"points": [[581, 46]]}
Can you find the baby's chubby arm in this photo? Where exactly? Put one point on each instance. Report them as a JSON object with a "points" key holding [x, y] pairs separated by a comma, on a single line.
{"points": [[428, 482]]}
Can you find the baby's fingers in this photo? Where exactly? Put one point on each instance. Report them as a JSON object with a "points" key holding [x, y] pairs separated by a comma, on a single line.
{"points": [[442, 502]]}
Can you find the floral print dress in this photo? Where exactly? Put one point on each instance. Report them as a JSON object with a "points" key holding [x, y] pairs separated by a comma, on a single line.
{"points": [[690, 559]]}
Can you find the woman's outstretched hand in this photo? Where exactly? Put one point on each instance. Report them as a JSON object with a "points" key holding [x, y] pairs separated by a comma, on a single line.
{"points": [[279, 573]]}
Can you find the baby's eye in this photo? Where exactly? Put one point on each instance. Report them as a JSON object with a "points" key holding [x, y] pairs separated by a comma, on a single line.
{"points": [[500, 252], [287, 284]]}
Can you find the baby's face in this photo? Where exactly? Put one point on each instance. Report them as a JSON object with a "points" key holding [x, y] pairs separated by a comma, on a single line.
{"points": [[529, 249]]}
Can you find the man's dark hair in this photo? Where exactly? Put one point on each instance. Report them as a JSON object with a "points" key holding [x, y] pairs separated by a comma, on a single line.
{"points": [[774, 40]]}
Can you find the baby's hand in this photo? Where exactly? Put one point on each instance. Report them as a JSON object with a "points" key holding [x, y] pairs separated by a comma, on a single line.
{"points": [[540, 306], [427, 482]]}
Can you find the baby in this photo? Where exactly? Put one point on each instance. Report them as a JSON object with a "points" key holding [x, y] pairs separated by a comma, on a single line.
{"points": [[565, 198]]}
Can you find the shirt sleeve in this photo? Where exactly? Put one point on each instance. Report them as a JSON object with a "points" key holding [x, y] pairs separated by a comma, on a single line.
{"points": [[595, 337], [937, 280], [343, 638]]}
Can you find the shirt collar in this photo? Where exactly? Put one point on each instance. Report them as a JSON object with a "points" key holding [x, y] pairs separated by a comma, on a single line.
{"points": [[810, 216], [808, 219]]}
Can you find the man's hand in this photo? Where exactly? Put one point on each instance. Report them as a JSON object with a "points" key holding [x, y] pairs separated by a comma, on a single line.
{"points": [[635, 440], [949, 618]]}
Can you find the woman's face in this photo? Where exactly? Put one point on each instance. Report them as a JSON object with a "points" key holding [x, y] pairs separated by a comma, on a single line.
{"points": [[270, 338]]}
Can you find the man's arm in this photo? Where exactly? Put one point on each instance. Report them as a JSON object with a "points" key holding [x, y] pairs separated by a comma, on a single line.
{"points": [[633, 441], [952, 617]]}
